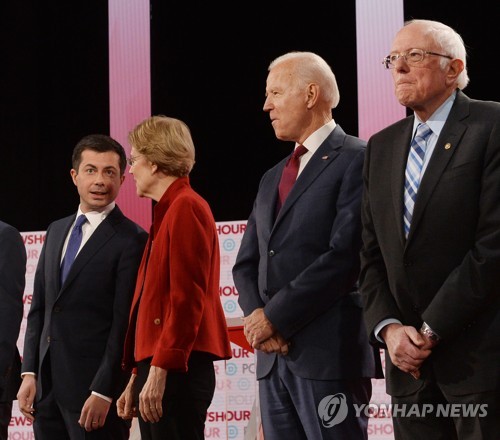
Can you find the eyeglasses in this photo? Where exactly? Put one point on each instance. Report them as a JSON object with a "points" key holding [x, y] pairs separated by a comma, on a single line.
{"points": [[132, 160], [412, 57]]}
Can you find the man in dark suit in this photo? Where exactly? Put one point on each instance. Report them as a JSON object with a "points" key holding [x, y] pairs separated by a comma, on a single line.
{"points": [[78, 317], [12, 281], [297, 267], [430, 274]]}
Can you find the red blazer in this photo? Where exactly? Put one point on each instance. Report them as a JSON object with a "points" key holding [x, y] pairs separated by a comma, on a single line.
{"points": [[176, 307]]}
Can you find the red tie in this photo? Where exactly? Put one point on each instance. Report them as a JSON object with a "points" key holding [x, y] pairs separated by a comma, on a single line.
{"points": [[289, 175]]}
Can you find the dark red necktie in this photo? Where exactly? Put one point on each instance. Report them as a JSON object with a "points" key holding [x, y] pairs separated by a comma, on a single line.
{"points": [[289, 175]]}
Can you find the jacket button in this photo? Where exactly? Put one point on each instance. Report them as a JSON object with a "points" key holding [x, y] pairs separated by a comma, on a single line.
{"points": [[157, 321], [57, 309], [271, 253]]}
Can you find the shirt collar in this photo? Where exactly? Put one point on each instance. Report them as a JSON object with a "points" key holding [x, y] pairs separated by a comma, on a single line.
{"points": [[96, 217], [438, 118], [313, 142]]}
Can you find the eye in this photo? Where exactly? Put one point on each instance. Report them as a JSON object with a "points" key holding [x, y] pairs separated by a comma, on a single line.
{"points": [[90, 171], [414, 55], [393, 57], [110, 173]]}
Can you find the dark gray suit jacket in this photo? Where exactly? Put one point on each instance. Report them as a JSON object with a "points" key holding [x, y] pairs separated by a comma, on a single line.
{"points": [[303, 266], [448, 271], [12, 282], [83, 322]]}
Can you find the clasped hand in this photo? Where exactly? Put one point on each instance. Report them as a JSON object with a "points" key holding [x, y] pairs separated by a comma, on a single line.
{"points": [[408, 349], [261, 334]]}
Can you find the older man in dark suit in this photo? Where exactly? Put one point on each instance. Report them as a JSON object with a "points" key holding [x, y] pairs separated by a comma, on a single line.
{"points": [[12, 282], [297, 267], [431, 242], [78, 317]]}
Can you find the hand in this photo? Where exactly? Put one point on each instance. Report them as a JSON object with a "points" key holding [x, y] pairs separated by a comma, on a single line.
{"points": [[407, 348], [26, 396], [257, 328], [151, 395], [94, 412], [125, 407], [275, 344]]}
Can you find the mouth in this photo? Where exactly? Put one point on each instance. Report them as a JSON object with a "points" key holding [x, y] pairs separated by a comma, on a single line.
{"points": [[98, 193]]}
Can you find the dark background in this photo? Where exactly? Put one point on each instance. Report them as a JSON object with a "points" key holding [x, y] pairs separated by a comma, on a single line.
{"points": [[209, 66]]}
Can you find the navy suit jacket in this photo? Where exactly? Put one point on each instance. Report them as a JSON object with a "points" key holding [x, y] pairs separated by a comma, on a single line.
{"points": [[12, 282], [447, 273], [82, 323], [302, 267]]}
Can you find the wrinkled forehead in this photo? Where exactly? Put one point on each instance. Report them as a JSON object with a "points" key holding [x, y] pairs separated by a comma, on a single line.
{"points": [[280, 76], [412, 36]]}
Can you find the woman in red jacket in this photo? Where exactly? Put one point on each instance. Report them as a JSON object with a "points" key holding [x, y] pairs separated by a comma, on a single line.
{"points": [[177, 326]]}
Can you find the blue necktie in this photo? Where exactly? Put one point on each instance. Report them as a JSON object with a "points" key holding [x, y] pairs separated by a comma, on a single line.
{"points": [[75, 240], [413, 172]]}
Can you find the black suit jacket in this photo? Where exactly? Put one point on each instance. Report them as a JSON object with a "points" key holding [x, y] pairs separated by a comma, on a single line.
{"points": [[12, 282], [447, 273], [83, 322], [303, 266]]}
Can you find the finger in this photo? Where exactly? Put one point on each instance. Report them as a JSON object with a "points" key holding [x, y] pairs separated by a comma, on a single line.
{"points": [[29, 414], [415, 337]]}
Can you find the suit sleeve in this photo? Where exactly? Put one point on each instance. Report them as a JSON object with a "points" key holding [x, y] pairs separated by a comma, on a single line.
{"points": [[246, 268], [193, 241], [108, 379], [12, 282], [378, 301], [35, 319]]}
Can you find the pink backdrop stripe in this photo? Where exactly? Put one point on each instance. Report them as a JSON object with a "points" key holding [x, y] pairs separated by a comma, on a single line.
{"points": [[129, 88], [376, 24]]}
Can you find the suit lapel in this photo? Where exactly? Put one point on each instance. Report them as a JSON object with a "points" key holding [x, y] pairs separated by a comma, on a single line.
{"points": [[446, 145], [320, 160], [270, 201], [400, 149], [58, 237], [104, 232]]}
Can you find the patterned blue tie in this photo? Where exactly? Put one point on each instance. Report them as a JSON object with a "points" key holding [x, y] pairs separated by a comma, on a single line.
{"points": [[413, 172], [75, 240]]}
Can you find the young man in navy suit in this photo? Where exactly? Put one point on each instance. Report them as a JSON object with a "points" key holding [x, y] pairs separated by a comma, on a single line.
{"points": [[76, 325], [297, 267]]}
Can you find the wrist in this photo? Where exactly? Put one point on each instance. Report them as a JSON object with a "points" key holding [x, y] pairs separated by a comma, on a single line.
{"points": [[430, 334]]}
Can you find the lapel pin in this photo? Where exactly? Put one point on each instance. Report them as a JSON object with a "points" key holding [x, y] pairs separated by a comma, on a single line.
{"points": [[324, 157], [447, 146]]}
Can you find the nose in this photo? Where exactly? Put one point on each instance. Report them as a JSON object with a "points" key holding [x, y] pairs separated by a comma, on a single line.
{"points": [[400, 63], [267, 105], [99, 178]]}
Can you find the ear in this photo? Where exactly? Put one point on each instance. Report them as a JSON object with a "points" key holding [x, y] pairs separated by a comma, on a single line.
{"points": [[455, 68], [312, 92], [73, 173], [122, 179], [154, 168]]}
